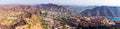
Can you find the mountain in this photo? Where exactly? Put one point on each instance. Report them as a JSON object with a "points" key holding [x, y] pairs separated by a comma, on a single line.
{"points": [[52, 7], [74, 7], [102, 11]]}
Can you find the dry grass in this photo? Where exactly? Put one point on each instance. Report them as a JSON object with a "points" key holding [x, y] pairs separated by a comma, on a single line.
{"points": [[32, 23], [11, 18]]}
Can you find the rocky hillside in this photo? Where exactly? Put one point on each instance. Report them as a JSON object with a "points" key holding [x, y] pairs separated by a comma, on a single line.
{"points": [[47, 16], [19, 17], [52, 7], [28, 16]]}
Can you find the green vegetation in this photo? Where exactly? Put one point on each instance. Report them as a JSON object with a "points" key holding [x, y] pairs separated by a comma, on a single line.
{"points": [[44, 23]]}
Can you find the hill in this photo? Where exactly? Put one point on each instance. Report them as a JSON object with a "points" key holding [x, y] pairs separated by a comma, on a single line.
{"points": [[102, 11]]}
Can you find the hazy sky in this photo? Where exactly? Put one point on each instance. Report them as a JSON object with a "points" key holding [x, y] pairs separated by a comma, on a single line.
{"points": [[66, 2]]}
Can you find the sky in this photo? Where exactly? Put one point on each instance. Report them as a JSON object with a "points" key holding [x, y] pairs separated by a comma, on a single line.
{"points": [[65, 2]]}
